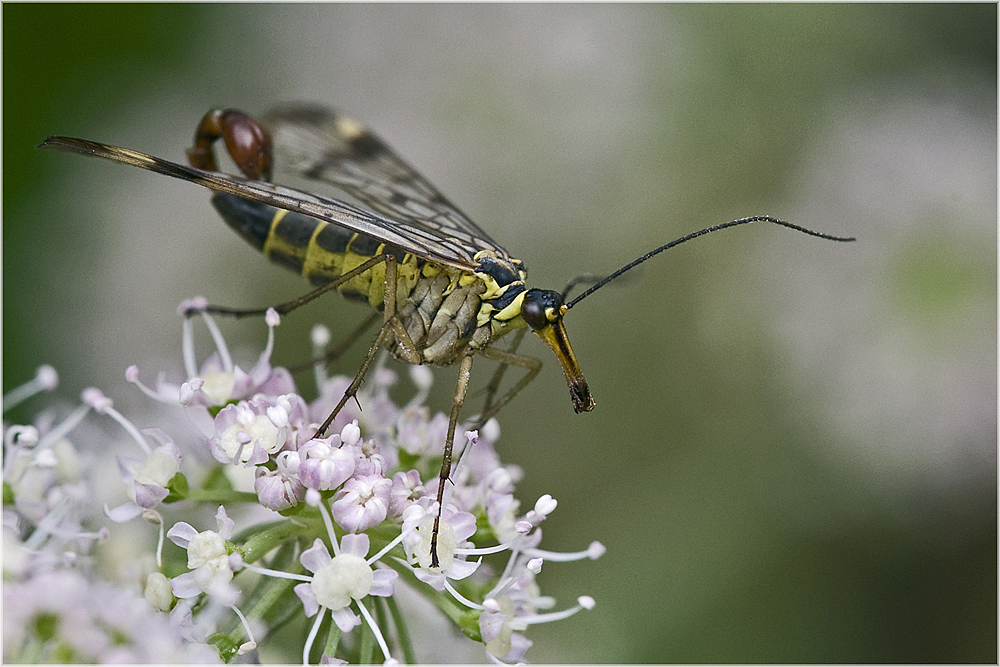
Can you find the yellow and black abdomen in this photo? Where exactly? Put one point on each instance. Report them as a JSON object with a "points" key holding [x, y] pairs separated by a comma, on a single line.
{"points": [[317, 250]]}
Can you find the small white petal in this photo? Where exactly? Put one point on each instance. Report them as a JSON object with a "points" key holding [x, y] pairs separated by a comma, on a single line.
{"points": [[185, 586], [181, 534], [545, 505]]}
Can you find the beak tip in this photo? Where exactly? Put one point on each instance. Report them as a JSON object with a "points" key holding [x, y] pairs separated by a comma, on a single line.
{"points": [[582, 400]]}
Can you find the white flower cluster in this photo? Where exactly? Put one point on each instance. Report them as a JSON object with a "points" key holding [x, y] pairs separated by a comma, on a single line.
{"points": [[352, 514], [56, 609]]}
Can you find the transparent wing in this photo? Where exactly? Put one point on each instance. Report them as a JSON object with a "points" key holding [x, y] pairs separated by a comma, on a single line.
{"points": [[424, 241], [322, 145]]}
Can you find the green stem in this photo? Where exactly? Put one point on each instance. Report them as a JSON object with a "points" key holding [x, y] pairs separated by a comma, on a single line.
{"points": [[366, 650], [259, 544], [221, 496], [332, 640], [441, 600], [402, 632], [265, 598]]}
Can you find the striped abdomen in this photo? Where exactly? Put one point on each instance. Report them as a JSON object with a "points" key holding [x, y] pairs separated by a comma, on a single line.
{"points": [[317, 250]]}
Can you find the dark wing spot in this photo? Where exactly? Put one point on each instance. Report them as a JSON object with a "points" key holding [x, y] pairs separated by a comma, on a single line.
{"points": [[366, 145]]}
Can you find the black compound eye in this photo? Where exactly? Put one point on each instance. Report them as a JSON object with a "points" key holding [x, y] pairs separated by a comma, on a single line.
{"points": [[538, 306]]}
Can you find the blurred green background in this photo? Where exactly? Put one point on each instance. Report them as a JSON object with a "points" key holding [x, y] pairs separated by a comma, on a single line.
{"points": [[793, 457]]}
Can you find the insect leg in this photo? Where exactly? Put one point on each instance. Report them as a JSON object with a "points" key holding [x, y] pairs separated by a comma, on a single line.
{"points": [[465, 369], [494, 385], [506, 359], [531, 366], [340, 349], [391, 326], [288, 306]]}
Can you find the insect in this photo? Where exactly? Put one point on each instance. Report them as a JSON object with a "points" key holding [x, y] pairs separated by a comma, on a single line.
{"points": [[447, 291]]}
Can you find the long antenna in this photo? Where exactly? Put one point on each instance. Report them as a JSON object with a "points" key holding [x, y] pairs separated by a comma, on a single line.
{"points": [[714, 228]]}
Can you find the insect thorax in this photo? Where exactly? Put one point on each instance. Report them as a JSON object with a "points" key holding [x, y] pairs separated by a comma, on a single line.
{"points": [[448, 308]]}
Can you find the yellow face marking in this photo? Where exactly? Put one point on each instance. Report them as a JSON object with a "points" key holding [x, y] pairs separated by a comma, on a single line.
{"points": [[508, 314], [513, 309]]}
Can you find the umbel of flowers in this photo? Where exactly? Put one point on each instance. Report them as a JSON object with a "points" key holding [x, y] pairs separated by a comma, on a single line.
{"points": [[345, 533]]}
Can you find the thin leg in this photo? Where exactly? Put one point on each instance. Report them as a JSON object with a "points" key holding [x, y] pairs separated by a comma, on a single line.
{"points": [[494, 385], [531, 365], [464, 371], [288, 306], [391, 327], [506, 359], [340, 349]]}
